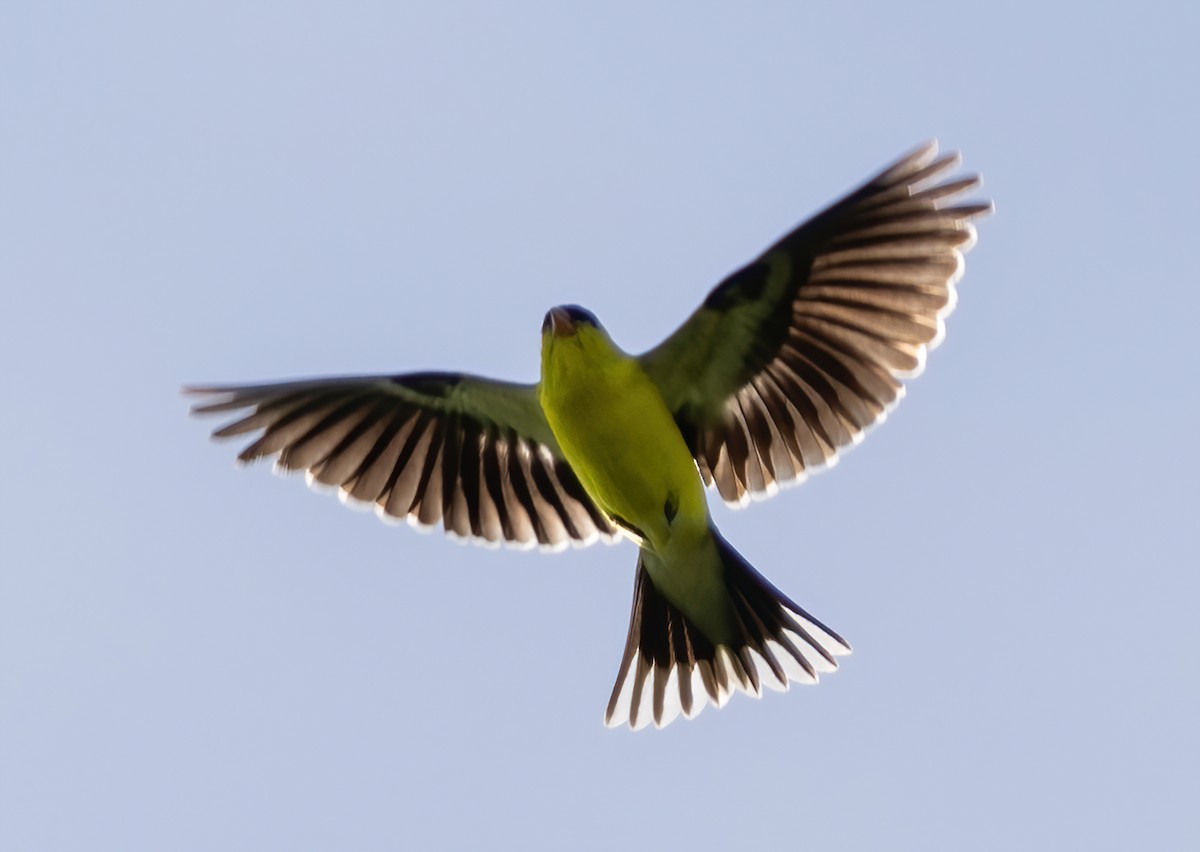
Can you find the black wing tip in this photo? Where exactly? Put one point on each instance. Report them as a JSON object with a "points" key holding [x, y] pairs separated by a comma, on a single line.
{"points": [[913, 160], [980, 208], [923, 162], [212, 390], [928, 148], [213, 401]]}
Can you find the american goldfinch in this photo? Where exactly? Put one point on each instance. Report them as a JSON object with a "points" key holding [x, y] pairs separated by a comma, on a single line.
{"points": [[788, 361]]}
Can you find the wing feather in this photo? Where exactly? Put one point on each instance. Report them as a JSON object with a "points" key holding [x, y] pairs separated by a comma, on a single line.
{"points": [[792, 358], [471, 454]]}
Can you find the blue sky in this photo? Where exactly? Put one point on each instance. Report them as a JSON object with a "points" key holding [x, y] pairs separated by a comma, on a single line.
{"points": [[197, 657]]}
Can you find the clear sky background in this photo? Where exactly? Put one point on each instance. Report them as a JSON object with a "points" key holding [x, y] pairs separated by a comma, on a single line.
{"points": [[194, 657]]}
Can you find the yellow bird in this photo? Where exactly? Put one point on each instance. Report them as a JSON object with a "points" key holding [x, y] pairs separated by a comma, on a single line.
{"points": [[788, 361]]}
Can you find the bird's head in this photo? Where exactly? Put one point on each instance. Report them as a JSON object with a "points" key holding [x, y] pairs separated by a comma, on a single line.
{"points": [[573, 337], [568, 321]]}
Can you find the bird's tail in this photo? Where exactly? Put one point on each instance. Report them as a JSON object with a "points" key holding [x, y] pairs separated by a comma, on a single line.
{"points": [[671, 666]]}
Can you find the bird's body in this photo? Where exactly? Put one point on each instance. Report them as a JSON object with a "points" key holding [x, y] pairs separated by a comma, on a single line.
{"points": [[618, 436], [613, 428], [788, 361]]}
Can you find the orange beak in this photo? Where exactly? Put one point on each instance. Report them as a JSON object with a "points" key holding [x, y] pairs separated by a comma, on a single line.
{"points": [[560, 322]]}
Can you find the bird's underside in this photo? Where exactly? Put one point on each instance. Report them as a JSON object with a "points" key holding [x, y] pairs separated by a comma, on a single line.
{"points": [[787, 363]]}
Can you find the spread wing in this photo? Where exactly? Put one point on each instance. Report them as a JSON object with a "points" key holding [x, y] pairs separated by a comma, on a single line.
{"points": [[473, 454], [793, 357]]}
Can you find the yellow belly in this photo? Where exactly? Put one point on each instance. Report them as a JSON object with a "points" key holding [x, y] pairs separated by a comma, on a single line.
{"points": [[626, 449]]}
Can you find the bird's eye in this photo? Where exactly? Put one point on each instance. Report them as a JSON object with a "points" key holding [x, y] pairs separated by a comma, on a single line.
{"points": [[546, 323]]}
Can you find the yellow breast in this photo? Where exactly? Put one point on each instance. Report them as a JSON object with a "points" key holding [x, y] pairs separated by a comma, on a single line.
{"points": [[624, 445]]}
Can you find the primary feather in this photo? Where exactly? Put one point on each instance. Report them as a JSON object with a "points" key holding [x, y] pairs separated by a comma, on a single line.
{"points": [[793, 357], [474, 454]]}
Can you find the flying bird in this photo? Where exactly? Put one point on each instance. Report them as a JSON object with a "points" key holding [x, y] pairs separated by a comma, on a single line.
{"points": [[787, 362]]}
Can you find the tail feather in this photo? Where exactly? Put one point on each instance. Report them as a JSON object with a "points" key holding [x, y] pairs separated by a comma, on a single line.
{"points": [[670, 666]]}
